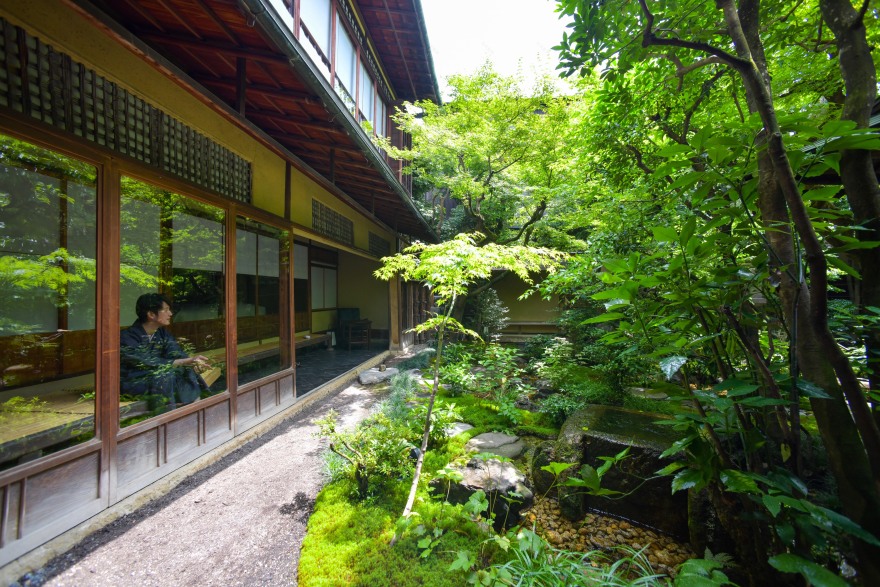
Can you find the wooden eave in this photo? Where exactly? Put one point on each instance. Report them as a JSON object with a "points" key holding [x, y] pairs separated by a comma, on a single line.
{"points": [[246, 64]]}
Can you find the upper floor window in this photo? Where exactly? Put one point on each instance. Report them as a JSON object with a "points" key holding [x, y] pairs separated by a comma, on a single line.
{"points": [[346, 62], [367, 97], [315, 20]]}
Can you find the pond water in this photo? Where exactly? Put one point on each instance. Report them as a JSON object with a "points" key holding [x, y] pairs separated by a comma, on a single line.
{"points": [[628, 426]]}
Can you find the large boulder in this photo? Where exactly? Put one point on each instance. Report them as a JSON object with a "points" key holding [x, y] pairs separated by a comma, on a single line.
{"points": [[506, 489], [599, 431]]}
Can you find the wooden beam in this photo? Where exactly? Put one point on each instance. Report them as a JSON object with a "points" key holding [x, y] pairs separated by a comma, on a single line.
{"points": [[212, 47], [285, 118], [267, 91], [241, 86]]}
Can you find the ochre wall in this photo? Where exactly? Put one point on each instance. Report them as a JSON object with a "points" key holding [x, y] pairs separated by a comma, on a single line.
{"points": [[531, 309], [362, 290]]}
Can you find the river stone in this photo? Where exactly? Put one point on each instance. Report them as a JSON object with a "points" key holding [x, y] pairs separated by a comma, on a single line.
{"points": [[503, 445], [505, 487], [457, 428], [570, 500], [373, 376]]}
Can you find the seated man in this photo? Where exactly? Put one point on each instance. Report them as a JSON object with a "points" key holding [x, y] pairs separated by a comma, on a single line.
{"points": [[151, 361]]}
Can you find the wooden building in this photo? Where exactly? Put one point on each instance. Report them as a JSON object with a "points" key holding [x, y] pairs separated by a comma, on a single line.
{"points": [[222, 153]]}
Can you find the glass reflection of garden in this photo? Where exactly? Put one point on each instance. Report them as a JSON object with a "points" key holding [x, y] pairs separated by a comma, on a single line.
{"points": [[47, 284]]}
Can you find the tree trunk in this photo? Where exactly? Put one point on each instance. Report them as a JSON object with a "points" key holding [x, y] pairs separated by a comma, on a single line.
{"points": [[856, 167], [805, 308]]}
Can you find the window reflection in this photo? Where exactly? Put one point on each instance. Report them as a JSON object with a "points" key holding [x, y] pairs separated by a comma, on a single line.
{"points": [[47, 288], [262, 265], [173, 248]]}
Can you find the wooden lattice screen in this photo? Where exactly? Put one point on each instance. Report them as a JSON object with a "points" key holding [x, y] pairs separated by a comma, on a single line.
{"points": [[331, 223], [379, 247], [38, 81]]}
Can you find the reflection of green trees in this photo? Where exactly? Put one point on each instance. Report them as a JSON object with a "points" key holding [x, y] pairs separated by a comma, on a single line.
{"points": [[47, 232], [156, 223]]}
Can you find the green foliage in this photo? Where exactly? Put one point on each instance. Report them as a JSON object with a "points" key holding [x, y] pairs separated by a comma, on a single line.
{"points": [[577, 385], [377, 449], [485, 314], [347, 543], [402, 389], [450, 267], [500, 152], [420, 361], [534, 562]]}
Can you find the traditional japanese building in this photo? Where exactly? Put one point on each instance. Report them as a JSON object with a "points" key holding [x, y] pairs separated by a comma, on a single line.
{"points": [[224, 153]]}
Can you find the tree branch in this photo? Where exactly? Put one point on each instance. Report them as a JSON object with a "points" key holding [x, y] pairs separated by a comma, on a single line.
{"points": [[649, 39]]}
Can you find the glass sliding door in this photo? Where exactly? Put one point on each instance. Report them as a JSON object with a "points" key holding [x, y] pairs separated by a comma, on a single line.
{"points": [[171, 265], [48, 241], [262, 267]]}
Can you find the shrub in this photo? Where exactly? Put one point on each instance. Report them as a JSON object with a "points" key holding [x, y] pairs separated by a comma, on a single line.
{"points": [[377, 449], [576, 395]]}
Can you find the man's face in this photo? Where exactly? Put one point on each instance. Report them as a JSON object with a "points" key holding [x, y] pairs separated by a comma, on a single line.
{"points": [[163, 317]]}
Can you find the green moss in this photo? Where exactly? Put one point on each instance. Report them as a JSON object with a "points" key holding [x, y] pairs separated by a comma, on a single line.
{"points": [[545, 432], [348, 543]]}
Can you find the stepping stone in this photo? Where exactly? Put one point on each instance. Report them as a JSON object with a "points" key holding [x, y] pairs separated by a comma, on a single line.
{"points": [[373, 376], [503, 445], [457, 428]]}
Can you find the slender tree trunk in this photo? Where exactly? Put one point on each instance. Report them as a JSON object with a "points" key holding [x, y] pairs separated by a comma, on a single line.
{"points": [[426, 435]]}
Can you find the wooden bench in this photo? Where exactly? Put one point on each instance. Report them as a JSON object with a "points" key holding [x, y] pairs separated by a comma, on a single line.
{"points": [[324, 338]]}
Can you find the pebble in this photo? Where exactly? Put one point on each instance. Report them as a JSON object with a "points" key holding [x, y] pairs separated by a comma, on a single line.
{"points": [[598, 532]]}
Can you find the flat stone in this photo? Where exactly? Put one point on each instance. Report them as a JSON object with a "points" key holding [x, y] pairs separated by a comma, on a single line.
{"points": [[496, 479], [457, 428], [373, 376], [496, 443]]}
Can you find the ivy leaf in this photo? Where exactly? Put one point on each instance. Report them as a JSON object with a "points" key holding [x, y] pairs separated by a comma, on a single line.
{"points": [[816, 575], [687, 479], [463, 561], [671, 365], [810, 389], [556, 469]]}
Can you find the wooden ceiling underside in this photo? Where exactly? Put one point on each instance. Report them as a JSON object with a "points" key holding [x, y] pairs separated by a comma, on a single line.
{"points": [[210, 39]]}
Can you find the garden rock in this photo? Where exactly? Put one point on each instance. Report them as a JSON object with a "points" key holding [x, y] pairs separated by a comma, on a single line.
{"points": [[599, 431], [457, 428], [373, 376], [505, 487], [503, 445]]}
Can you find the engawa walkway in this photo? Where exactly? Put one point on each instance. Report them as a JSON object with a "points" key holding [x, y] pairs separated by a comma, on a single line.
{"points": [[240, 521]]}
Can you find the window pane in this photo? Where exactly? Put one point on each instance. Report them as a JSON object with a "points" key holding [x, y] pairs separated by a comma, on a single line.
{"points": [[283, 9], [262, 268], [173, 246], [381, 122], [315, 16], [47, 287], [346, 65], [367, 91]]}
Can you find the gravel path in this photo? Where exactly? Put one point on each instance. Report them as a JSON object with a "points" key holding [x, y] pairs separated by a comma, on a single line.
{"points": [[240, 521]]}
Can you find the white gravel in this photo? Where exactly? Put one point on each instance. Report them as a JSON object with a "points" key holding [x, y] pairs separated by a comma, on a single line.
{"points": [[240, 521]]}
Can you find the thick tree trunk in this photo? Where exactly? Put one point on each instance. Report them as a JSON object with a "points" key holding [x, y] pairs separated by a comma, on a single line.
{"points": [[847, 455], [856, 167]]}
